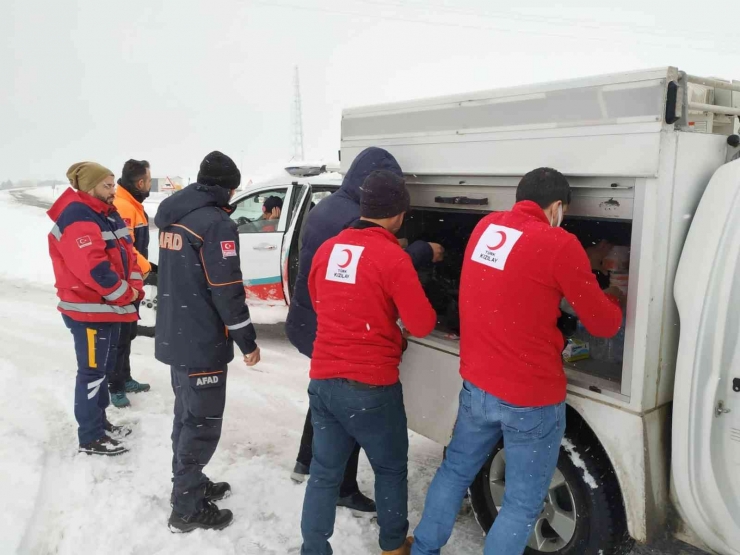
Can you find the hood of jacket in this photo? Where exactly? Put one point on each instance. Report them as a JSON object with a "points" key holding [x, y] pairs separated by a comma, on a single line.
{"points": [[367, 161], [190, 199]]}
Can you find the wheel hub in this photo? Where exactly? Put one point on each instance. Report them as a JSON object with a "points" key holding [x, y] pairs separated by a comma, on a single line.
{"points": [[556, 525]]}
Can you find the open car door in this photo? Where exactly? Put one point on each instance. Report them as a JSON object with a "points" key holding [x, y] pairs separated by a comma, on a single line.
{"points": [[262, 240], [291, 244], [706, 409]]}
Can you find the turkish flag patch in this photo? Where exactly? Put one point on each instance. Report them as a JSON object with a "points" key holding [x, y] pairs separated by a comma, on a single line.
{"points": [[84, 241], [127, 221], [228, 248]]}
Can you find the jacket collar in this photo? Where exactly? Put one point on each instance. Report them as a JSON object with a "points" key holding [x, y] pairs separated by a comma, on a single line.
{"points": [[531, 210], [375, 228], [123, 193], [73, 195]]}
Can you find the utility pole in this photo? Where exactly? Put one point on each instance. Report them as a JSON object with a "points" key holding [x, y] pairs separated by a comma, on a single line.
{"points": [[297, 120]]}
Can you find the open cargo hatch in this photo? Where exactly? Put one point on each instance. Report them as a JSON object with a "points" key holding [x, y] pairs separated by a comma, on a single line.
{"points": [[447, 213]]}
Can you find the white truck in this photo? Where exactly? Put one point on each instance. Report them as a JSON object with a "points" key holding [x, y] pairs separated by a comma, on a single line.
{"points": [[654, 415]]}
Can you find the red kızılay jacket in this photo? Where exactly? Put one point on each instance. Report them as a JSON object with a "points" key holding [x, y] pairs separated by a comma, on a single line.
{"points": [[516, 270], [94, 262], [361, 282]]}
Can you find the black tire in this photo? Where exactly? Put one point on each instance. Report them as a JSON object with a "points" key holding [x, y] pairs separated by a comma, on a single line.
{"points": [[600, 524]]}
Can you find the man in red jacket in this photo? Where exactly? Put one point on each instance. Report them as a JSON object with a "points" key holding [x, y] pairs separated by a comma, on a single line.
{"points": [[97, 280], [518, 266], [361, 282]]}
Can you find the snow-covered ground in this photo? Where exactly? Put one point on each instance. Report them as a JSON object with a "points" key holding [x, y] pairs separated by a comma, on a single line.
{"points": [[58, 501]]}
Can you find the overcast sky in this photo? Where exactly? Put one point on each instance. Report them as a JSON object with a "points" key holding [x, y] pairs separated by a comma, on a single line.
{"points": [[171, 80]]}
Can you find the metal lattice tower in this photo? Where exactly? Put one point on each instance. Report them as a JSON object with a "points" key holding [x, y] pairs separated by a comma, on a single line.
{"points": [[297, 120]]}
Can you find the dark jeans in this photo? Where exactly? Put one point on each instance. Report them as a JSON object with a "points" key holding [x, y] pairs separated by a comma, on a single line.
{"points": [[200, 398], [305, 454], [343, 414], [121, 372], [96, 345]]}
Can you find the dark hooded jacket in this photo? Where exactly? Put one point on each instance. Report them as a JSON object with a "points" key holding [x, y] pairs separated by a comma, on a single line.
{"points": [[327, 220], [201, 306]]}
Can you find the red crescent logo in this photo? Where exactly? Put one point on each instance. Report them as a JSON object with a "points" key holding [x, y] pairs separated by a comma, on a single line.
{"points": [[499, 245], [349, 258]]}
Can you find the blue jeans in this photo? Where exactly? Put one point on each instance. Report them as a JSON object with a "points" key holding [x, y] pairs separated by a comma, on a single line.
{"points": [[374, 416], [96, 347], [532, 437]]}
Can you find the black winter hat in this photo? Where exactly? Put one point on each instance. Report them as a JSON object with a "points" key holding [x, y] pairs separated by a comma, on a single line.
{"points": [[383, 195], [219, 169]]}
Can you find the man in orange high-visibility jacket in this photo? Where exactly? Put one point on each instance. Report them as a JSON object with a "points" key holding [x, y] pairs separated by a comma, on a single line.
{"points": [[133, 188]]}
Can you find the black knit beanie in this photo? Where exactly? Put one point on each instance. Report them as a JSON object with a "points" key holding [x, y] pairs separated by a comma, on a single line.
{"points": [[219, 169], [383, 195]]}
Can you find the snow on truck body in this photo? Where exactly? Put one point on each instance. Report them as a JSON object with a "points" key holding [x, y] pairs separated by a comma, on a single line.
{"points": [[640, 150]]}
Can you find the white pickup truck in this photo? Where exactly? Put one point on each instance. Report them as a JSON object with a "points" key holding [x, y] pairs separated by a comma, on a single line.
{"points": [[653, 433], [653, 415]]}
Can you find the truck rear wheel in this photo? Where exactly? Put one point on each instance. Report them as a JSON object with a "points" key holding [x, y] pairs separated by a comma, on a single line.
{"points": [[582, 514]]}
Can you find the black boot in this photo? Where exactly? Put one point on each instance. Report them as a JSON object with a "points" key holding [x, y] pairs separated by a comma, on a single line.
{"points": [[209, 518], [104, 446], [214, 491], [116, 432], [361, 506], [300, 473]]}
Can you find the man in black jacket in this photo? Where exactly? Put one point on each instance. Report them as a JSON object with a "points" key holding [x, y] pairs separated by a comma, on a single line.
{"points": [[201, 313], [329, 218]]}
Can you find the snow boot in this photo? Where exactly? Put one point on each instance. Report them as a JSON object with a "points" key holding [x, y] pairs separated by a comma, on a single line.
{"points": [[119, 400], [214, 491], [104, 446], [208, 518], [361, 506], [405, 549], [300, 473], [116, 432], [132, 386]]}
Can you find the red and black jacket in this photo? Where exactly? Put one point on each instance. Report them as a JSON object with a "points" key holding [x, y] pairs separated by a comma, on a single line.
{"points": [[94, 262]]}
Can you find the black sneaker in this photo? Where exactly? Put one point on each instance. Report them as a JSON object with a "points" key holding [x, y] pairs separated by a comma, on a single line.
{"points": [[300, 473], [116, 432], [215, 491], [104, 446], [361, 506], [209, 518]]}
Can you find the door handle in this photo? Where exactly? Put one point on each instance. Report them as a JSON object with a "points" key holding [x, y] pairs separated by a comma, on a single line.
{"points": [[720, 410], [264, 247]]}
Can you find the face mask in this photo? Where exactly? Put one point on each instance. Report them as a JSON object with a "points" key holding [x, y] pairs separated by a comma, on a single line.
{"points": [[560, 217]]}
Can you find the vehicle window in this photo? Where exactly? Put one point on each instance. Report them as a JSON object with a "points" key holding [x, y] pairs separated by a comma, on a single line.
{"points": [[318, 196], [249, 216]]}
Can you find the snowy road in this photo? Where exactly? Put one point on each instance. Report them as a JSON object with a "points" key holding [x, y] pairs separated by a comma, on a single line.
{"points": [[66, 503]]}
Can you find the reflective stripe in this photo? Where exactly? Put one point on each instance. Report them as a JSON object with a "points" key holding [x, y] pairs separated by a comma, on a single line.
{"points": [[141, 225], [108, 235], [98, 308], [117, 293], [119, 234], [136, 275], [56, 232], [244, 324], [123, 232]]}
